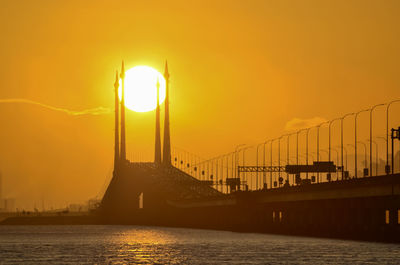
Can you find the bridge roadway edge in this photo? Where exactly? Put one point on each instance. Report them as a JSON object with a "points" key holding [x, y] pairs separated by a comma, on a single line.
{"points": [[351, 209]]}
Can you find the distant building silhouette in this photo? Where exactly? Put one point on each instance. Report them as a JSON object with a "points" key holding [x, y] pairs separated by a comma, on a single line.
{"points": [[6, 204]]}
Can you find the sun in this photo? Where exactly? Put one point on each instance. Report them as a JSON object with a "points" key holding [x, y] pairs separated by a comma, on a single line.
{"points": [[141, 88]]}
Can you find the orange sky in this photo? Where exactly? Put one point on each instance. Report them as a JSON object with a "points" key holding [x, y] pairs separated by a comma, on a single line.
{"points": [[240, 70]]}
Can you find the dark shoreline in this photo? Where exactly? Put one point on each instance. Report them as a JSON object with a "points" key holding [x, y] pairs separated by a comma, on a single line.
{"points": [[52, 220]]}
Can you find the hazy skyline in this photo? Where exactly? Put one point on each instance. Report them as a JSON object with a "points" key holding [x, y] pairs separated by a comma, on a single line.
{"points": [[241, 72]]}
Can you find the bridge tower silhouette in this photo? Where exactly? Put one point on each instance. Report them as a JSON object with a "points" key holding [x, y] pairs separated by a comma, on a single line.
{"points": [[123, 142], [167, 139], [157, 151], [158, 180]]}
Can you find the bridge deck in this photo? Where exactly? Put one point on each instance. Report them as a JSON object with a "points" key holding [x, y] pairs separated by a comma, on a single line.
{"points": [[380, 186], [157, 184]]}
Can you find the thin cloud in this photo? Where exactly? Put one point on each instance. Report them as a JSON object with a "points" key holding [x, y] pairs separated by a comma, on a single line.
{"points": [[92, 111], [298, 124]]}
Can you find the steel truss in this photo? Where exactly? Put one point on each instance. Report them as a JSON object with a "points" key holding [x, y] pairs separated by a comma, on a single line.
{"points": [[261, 169]]}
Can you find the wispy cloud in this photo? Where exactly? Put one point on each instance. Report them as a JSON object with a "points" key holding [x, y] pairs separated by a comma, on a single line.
{"points": [[297, 124], [92, 111]]}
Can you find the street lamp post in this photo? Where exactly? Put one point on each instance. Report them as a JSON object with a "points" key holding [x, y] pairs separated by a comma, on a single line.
{"points": [[244, 162], [227, 168], [264, 156], [297, 145], [279, 157], [211, 175], [287, 153], [341, 138], [207, 175], [370, 136], [337, 159], [233, 163], [272, 141], [387, 168], [257, 164], [270, 163], [199, 160], [236, 158], [352, 145], [330, 124], [365, 153], [337, 162], [216, 173], [355, 140], [307, 132], [318, 127], [222, 174], [226, 176], [219, 175], [244, 150], [344, 164], [345, 150], [376, 156], [322, 150]]}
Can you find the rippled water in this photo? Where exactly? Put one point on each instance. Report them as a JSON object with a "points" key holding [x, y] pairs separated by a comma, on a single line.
{"points": [[158, 245]]}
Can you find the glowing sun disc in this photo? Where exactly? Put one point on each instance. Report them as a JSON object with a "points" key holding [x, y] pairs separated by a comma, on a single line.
{"points": [[141, 89]]}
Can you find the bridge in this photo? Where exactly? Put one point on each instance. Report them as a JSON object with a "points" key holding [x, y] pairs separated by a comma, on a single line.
{"points": [[181, 189]]}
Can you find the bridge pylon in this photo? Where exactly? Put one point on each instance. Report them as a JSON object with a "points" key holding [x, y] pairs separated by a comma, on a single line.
{"points": [[157, 151], [167, 141]]}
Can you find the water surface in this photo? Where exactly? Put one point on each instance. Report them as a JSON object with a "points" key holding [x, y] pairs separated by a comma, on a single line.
{"points": [[159, 245]]}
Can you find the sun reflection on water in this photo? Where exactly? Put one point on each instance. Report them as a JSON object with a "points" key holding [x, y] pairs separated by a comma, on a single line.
{"points": [[147, 246]]}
